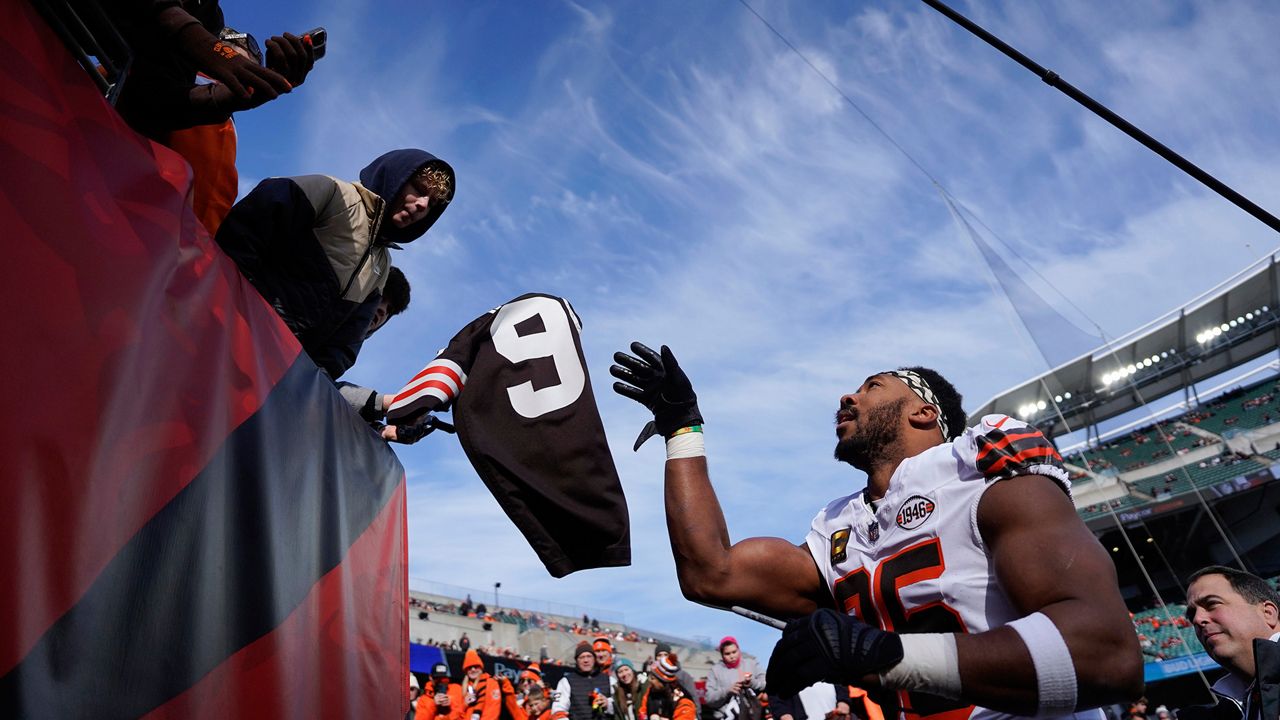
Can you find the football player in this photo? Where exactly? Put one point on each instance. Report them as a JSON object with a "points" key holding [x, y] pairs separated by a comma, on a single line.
{"points": [[959, 584]]}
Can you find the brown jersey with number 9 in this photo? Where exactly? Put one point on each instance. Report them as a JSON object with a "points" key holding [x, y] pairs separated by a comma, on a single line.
{"points": [[527, 419]]}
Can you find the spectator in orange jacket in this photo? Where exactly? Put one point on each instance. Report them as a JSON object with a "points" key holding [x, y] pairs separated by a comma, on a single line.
{"points": [[537, 706], [481, 693], [510, 698], [529, 681], [664, 684], [440, 699]]}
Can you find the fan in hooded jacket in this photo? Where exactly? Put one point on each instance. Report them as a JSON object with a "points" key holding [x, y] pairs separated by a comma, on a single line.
{"points": [[318, 248]]}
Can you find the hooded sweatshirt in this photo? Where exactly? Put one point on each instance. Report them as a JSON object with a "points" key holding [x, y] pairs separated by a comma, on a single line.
{"points": [[317, 249]]}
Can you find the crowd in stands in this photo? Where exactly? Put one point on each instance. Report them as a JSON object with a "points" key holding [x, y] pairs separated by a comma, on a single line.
{"points": [[1129, 453], [1160, 635], [1238, 407], [599, 685]]}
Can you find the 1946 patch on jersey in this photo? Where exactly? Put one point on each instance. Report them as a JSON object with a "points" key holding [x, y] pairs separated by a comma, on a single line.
{"points": [[840, 545], [915, 512]]}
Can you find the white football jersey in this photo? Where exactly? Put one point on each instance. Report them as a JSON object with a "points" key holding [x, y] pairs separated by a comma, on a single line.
{"points": [[916, 561]]}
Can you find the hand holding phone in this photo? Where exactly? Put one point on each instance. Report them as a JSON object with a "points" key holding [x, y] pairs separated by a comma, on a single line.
{"points": [[319, 36]]}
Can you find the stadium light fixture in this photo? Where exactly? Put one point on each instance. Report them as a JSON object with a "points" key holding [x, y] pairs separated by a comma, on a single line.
{"points": [[1248, 316], [1041, 405], [1146, 362], [1057, 398], [1131, 369], [1231, 324], [1066, 395], [1240, 320], [1164, 355], [1224, 327]]}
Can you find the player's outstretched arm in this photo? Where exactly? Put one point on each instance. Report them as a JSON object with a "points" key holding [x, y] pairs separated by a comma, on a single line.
{"points": [[768, 575], [1048, 562]]}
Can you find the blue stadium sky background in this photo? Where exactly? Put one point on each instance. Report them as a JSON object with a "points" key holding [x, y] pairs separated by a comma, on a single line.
{"points": [[683, 178]]}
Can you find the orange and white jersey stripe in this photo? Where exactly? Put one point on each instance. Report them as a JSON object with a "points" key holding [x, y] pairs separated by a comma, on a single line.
{"points": [[436, 386]]}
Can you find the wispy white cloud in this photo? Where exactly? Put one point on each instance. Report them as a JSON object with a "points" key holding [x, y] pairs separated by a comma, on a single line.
{"points": [[684, 178]]}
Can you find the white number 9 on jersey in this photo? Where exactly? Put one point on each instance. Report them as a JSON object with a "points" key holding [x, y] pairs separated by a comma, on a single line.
{"points": [[555, 342]]}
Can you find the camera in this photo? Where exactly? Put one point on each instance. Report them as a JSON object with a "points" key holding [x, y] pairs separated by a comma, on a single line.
{"points": [[318, 38]]}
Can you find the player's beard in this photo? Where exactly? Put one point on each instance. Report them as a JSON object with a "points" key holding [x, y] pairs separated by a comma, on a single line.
{"points": [[878, 429]]}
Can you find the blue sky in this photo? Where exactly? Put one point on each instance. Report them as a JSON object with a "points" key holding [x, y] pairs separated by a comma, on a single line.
{"points": [[683, 178]]}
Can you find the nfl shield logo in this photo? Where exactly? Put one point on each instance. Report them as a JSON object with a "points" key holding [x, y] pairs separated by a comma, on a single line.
{"points": [[873, 531]]}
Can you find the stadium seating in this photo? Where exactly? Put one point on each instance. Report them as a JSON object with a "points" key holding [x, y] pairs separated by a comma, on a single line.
{"points": [[1165, 635], [1177, 482], [1147, 447], [1244, 409]]}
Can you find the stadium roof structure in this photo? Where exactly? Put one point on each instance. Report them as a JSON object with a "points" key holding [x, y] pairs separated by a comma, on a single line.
{"points": [[1229, 325]]}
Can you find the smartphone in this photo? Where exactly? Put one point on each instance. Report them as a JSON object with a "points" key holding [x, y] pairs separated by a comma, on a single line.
{"points": [[318, 38]]}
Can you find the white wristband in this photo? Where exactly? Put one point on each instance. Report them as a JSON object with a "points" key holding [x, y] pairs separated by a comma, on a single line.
{"points": [[929, 664], [1055, 672], [686, 445]]}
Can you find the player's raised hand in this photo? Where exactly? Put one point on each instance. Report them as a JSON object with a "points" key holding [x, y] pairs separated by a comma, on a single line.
{"points": [[656, 381], [828, 646]]}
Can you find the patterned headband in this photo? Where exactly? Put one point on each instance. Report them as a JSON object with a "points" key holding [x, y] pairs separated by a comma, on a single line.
{"points": [[925, 393]]}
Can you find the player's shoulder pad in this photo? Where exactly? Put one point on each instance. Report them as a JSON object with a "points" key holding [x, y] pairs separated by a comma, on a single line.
{"points": [[832, 517], [1000, 447]]}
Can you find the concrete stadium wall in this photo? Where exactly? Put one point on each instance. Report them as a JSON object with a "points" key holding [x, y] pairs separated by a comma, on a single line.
{"points": [[443, 627]]}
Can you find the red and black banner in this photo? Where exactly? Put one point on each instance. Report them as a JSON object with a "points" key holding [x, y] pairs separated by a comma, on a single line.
{"points": [[194, 524]]}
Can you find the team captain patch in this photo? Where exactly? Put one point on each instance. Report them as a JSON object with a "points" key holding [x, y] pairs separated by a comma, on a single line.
{"points": [[914, 512], [1005, 455], [840, 545]]}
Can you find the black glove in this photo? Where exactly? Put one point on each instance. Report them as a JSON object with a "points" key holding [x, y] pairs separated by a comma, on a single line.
{"points": [[657, 382], [828, 646], [412, 432], [291, 56]]}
